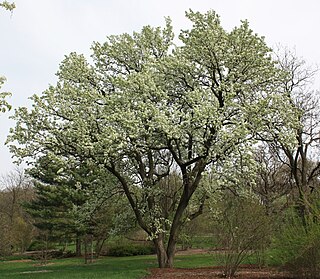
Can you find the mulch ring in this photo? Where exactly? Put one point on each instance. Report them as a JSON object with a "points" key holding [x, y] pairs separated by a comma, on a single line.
{"points": [[244, 272]]}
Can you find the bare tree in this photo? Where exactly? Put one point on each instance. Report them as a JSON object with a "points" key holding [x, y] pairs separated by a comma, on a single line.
{"points": [[15, 223], [273, 179], [302, 160]]}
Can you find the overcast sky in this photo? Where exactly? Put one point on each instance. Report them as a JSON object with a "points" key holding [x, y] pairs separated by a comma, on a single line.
{"points": [[35, 38]]}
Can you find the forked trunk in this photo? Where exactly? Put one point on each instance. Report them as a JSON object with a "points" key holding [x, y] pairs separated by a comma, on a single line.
{"points": [[165, 256], [161, 251], [170, 257]]}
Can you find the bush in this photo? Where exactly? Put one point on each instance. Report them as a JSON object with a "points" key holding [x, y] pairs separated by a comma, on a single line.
{"points": [[39, 245], [297, 247], [130, 249], [241, 228]]}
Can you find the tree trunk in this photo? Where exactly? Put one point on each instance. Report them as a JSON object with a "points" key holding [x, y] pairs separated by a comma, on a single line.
{"points": [[177, 223], [99, 246], [91, 246], [161, 251], [45, 250], [165, 256], [170, 255], [78, 246], [85, 249]]}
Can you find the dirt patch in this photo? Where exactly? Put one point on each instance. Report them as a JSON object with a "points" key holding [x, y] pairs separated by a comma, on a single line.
{"points": [[245, 272]]}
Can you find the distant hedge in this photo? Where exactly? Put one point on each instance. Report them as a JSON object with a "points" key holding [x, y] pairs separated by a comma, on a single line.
{"points": [[130, 249]]}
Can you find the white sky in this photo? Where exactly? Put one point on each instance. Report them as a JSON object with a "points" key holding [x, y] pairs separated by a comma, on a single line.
{"points": [[35, 38]]}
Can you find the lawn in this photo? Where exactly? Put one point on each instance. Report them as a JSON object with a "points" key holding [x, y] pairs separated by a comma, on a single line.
{"points": [[106, 267]]}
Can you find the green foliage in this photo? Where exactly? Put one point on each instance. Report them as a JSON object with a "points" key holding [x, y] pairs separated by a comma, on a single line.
{"points": [[16, 230], [38, 245], [51, 211], [70, 200], [120, 246], [130, 249], [297, 246], [5, 246]]}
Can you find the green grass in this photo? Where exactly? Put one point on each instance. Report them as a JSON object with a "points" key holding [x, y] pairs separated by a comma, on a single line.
{"points": [[191, 261], [14, 258], [108, 267], [135, 267]]}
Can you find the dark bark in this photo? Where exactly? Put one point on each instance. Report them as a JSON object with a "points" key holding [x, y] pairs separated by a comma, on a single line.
{"points": [[91, 248], [191, 177], [161, 252], [78, 246], [99, 245], [86, 249], [130, 198], [45, 250], [190, 185]]}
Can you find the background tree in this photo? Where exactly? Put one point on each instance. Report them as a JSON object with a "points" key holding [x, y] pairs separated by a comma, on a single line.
{"points": [[302, 161], [62, 192], [147, 108], [16, 226], [3, 103], [273, 184]]}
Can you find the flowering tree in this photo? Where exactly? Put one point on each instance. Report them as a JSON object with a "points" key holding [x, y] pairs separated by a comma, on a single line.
{"points": [[3, 103], [9, 6], [147, 108]]}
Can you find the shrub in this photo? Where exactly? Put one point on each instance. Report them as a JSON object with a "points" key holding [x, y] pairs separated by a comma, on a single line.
{"points": [[130, 249], [38, 245], [241, 228], [297, 247]]}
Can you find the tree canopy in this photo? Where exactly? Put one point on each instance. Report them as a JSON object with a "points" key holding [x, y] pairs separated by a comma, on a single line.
{"points": [[147, 108]]}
